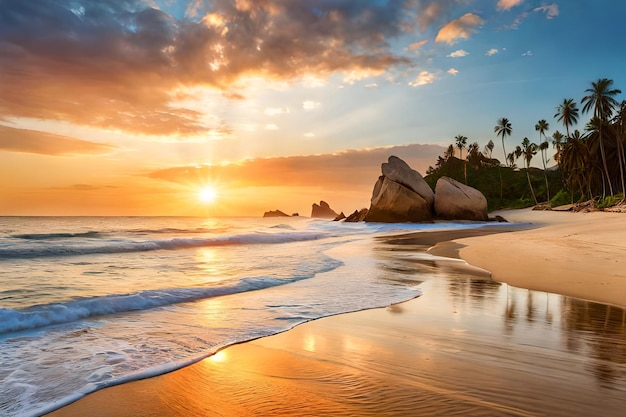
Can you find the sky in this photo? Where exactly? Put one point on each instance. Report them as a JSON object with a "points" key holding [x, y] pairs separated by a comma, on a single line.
{"points": [[133, 107]]}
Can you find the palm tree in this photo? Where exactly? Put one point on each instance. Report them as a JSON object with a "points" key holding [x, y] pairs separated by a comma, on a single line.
{"points": [[600, 98], [567, 113], [489, 148], [474, 157], [576, 164], [461, 141], [541, 127], [557, 142], [528, 150], [597, 127], [620, 134], [503, 129]]}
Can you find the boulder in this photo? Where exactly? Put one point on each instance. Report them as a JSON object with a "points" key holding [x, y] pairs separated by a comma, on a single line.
{"points": [[341, 216], [357, 216], [399, 171], [323, 211], [275, 213], [457, 201], [393, 202]]}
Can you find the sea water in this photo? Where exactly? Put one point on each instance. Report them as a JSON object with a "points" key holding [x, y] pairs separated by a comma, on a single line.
{"points": [[89, 302]]}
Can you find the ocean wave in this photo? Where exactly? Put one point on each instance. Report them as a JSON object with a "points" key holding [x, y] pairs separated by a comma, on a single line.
{"points": [[126, 246], [62, 313], [55, 236]]}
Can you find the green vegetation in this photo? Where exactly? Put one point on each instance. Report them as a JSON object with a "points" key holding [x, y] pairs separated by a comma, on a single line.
{"points": [[590, 165]]}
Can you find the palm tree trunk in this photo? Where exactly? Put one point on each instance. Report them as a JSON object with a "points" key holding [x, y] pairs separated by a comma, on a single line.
{"points": [[605, 166], [531, 186], [545, 173], [620, 157]]}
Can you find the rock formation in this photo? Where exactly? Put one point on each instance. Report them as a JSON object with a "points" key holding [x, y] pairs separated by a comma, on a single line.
{"points": [[393, 202], [323, 211], [457, 201], [399, 171], [357, 216], [339, 217], [275, 213], [400, 195]]}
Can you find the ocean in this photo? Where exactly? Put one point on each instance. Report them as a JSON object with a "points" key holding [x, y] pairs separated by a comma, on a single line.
{"points": [[90, 302]]}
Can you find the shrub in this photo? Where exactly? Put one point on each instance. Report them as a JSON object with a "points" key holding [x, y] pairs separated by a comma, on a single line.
{"points": [[561, 198]]}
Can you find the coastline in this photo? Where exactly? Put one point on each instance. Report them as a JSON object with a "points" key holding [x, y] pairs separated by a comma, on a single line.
{"points": [[580, 255], [407, 357]]}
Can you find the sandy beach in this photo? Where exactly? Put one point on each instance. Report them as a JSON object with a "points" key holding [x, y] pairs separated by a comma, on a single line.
{"points": [[467, 346]]}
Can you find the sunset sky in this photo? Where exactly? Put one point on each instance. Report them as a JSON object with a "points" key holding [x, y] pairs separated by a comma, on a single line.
{"points": [[131, 107]]}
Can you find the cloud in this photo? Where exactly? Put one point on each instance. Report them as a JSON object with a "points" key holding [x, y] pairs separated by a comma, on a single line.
{"points": [[551, 10], [37, 142], [461, 28], [423, 78], [508, 4], [371, 85], [453, 71], [416, 45], [86, 187], [119, 65], [527, 53], [271, 126], [309, 135], [275, 111], [458, 54], [310, 105], [353, 168], [492, 52]]}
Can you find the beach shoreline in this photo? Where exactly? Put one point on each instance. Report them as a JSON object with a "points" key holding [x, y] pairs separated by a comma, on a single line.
{"points": [[392, 360], [580, 255]]}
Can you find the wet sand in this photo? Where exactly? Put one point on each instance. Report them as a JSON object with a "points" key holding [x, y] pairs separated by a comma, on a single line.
{"points": [[582, 255], [467, 346]]}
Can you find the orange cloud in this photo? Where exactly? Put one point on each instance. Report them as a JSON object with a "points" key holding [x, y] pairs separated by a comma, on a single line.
{"points": [[34, 141], [354, 168], [417, 45], [461, 28], [115, 64], [508, 4]]}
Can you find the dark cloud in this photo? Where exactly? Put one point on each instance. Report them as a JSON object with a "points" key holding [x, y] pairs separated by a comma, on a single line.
{"points": [[354, 168], [33, 141], [117, 63]]}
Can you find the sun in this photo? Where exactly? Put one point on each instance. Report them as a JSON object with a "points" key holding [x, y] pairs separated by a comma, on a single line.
{"points": [[207, 195]]}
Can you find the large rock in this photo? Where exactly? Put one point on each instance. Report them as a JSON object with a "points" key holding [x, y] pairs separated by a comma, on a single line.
{"points": [[393, 202], [457, 201], [323, 211], [399, 171], [275, 213]]}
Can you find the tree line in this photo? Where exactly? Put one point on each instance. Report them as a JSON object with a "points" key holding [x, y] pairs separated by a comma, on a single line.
{"points": [[589, 165]]}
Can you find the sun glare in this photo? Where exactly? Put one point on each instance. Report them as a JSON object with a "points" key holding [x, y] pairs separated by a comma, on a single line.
{"points": [[207, 195]]}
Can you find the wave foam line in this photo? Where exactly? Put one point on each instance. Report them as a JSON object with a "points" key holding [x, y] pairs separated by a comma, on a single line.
{"points": [[71, 311], [150, 245]]}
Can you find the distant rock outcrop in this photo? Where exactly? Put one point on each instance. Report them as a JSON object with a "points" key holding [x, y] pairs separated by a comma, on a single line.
{"points": [[275, 213], [339, 217], [457, 201], [357, 216], [323, 211]]}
